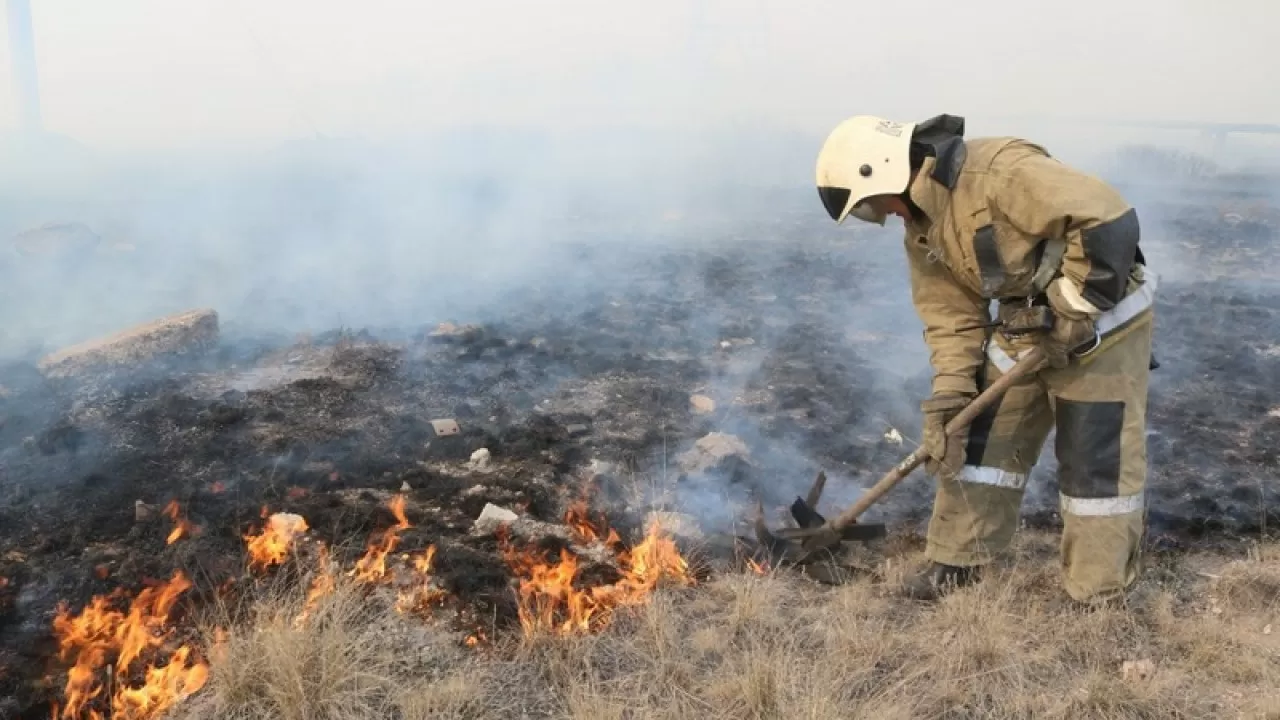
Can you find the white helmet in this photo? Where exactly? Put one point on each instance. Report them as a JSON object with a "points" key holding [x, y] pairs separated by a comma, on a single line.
{"points": [[862, 157]]}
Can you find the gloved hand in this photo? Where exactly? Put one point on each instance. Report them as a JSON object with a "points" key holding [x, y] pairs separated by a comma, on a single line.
{"points": [[946, 452], [1072, 330], [1057, 329]]}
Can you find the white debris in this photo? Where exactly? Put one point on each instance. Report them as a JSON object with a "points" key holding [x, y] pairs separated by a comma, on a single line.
{"points": [[493, 516], [597, 467], [480, 459], [445, 426], [404, 486], [893, 436], [1266, 630], [701, 404]]}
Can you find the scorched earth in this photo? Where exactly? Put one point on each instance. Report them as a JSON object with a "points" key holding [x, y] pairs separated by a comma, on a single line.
{"points": [[540, 473]]}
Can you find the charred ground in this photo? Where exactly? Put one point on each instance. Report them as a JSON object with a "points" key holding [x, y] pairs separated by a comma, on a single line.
{"points": [[796, 342]]}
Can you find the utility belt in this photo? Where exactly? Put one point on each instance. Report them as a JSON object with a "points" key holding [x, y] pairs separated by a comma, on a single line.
{"points": [[1132, 312]]}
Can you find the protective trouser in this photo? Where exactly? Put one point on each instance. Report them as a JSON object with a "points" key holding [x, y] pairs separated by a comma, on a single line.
{"points": [[1098, 407]]}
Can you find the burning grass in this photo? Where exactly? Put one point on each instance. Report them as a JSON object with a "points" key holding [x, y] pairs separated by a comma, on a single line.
{"points": [[760, 645], [130, 661], [550, 596], [314, 639]]}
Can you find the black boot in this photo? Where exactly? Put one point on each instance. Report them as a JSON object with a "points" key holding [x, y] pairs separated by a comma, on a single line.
{"points": [[937, 580]]}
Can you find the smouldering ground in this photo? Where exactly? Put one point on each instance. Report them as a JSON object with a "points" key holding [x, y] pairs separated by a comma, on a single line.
{"points": [[1201, 637]]}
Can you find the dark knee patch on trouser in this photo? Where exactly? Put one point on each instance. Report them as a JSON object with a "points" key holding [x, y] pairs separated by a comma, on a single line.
{"points": [[1088, 448], [980, 434]]}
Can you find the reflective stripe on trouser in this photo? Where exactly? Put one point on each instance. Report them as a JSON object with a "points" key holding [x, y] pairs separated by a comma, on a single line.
{"points": [[1099, 411]]}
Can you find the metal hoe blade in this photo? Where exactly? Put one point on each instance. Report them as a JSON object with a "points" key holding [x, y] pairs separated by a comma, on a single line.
{"points": [[816, 533]]}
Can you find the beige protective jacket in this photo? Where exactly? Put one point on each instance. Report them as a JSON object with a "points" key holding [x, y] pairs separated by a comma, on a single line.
{"points": [[991, 204]]}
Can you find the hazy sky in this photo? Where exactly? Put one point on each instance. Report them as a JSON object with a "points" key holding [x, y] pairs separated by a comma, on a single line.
{"points": [[163, 73]]}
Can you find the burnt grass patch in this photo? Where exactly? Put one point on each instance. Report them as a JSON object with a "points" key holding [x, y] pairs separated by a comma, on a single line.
{"points": [[330, 427]]}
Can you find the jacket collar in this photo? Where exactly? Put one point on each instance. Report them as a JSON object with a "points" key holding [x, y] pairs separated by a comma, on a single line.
{"points": [[938, 176]]}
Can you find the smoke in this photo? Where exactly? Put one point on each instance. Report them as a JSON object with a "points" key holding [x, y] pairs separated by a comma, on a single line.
{"points": [[304, 166]]}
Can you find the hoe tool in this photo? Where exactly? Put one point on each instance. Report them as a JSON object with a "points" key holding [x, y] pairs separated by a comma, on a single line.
{"points": [[817, 534]]}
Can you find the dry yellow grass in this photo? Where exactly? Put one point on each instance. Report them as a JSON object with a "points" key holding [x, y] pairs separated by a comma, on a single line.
{"points": [[776, 646]]}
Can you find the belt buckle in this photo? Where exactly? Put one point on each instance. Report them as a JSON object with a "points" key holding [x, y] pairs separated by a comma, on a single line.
{"points": [[1097, 342]]}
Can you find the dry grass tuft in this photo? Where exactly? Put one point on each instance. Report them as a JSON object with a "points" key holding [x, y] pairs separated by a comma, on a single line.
{"points": [[779, 646]]}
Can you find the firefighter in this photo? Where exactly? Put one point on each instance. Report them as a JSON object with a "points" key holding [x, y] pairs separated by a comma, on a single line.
{"points": [[999, 231]]}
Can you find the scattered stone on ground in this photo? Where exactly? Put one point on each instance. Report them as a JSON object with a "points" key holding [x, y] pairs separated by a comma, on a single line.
{"points": [[492, 516], [715, 451], [480, 459], [701, 404]]}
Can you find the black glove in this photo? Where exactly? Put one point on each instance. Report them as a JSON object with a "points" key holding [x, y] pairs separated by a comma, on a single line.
{"points": [[946, 452]]}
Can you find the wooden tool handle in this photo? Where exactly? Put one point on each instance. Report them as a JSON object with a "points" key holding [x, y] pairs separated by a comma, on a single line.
{"points": [[1029, 364]]}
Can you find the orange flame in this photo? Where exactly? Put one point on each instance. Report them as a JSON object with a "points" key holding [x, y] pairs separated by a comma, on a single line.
{"points": [[756, 567], [181, 526], [578, 520], [422, 594], [271, 546], [372, 568], [321, 586], [102, 641], [476, 639], [548, 601]]}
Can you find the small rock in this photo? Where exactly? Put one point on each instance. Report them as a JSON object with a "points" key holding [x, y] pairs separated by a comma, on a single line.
{"points": [[702, 404], [445, 427], [474, 490], [597, 469], [480, 459], [714, 451], [404, 486], [287, 525], [1266, 630], [1137, 670], [493, 516], [142, 511]]}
